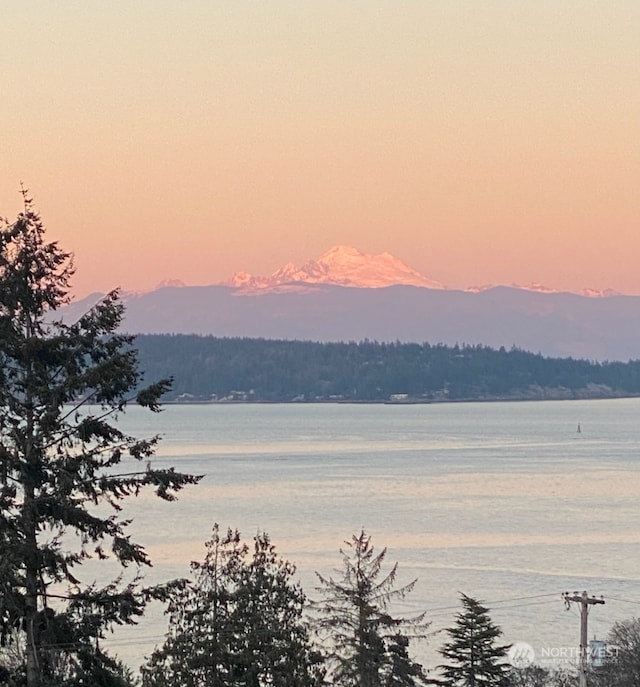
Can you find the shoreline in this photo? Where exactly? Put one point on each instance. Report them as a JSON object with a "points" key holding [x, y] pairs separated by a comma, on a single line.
{"points": [[407, 402]]}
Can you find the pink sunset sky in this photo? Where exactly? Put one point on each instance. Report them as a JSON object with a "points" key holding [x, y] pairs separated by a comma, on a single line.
{"points": [[479, 141]]}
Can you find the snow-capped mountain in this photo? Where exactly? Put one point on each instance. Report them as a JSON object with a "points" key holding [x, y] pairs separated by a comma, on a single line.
{"points": [[342, 266], [347, 266], [599, 293], [346, 295], [534, 287], [321, 302]]}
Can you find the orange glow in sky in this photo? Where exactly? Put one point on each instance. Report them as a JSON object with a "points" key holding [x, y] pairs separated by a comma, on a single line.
{"points": [[479, 142]]}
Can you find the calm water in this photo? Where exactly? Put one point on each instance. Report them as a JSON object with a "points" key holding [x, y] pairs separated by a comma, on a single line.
{"points": [[506, 502]]}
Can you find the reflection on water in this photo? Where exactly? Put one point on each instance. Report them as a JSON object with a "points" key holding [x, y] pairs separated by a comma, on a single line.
{"points": [[501, 501]]}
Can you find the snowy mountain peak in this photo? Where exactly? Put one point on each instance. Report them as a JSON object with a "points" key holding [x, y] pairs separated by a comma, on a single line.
{"points": [[536, 287], [599, 293], [342, 254], [343, 266]]}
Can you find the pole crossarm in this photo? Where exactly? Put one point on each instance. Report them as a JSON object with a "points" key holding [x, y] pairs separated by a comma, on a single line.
{"points": [[585, 601]]}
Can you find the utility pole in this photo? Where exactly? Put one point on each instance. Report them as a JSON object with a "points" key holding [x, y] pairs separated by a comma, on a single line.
{"points": [[585, 601]]}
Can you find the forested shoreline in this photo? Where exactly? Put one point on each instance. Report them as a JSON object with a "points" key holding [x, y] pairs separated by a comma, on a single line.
{"points": [[214, 369]]}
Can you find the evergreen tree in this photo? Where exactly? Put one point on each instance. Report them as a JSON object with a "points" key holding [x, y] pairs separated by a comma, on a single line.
{"points": [[62, 389], [368, 646], [622, 660], [474, 659], [239, 622]]}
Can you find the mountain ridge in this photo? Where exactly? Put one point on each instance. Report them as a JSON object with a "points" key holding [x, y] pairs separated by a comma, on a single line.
{"points": [[554, 324], [347, 295]]}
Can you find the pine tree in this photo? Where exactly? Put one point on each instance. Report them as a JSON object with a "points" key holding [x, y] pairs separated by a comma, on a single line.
{"points": [[62, 388], [237, 623], [474, 659], [368, 646]]}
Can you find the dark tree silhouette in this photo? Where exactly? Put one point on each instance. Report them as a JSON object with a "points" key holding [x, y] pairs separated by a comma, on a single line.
{"points": [[473, 656], [62, 388], [207, 367], [237, 623], [368, 647]]}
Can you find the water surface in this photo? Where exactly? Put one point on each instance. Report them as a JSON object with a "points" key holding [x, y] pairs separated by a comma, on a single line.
{"points": [[506, 502]]}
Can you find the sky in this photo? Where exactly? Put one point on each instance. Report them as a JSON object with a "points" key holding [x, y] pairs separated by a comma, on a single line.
{"points": [[479, 141]]}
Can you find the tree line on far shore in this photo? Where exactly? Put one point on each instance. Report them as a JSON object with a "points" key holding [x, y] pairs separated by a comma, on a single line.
{"points": [[239, 369]]}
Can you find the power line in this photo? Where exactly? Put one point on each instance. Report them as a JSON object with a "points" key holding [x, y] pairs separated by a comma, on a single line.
{"points": [[624, 601], [521, 598], [433, 611]]}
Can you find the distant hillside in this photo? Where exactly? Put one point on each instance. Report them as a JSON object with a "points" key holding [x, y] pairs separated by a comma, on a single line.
{"points": [[241, 369], [554, 324]]}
